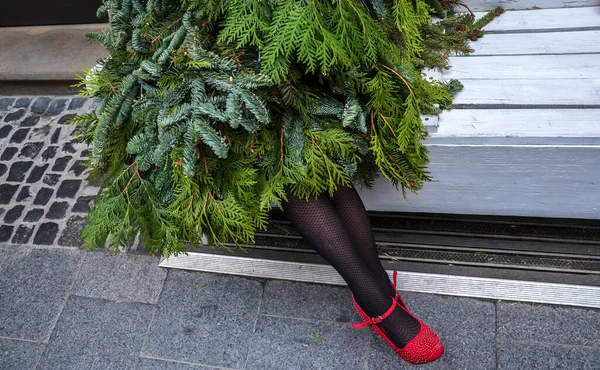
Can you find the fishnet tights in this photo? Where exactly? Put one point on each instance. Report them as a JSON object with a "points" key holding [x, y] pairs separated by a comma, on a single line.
{"points": [[338, 228]]}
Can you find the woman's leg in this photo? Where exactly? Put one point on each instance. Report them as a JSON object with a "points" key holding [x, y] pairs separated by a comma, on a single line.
{"points": [[353, 214], [319, 224]]}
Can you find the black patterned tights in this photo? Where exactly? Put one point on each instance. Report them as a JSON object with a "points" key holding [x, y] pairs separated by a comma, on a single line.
{"points": [[338, 228]]}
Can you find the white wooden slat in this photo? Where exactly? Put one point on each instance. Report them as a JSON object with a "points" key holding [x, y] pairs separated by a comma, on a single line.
{"points": [[545, 19], [538, 43], [530, 92], [518, 123], [524, 66], [483, 5], [543, 181]]}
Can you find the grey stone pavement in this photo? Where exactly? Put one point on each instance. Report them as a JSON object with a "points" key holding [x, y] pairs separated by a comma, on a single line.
{"points": [[64, 308]]}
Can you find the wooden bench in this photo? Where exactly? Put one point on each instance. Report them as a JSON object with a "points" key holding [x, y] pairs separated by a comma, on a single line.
{"points": [[524, 139]]}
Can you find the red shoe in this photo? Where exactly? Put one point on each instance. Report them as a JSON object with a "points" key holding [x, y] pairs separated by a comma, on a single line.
{"points": [[425, 347]]}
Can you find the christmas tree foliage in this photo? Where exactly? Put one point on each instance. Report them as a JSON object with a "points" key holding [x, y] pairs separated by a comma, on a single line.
{"points": [[210, 108]]}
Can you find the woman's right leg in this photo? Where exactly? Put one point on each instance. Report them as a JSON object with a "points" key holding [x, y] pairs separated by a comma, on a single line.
{"points": [[320, 225]]}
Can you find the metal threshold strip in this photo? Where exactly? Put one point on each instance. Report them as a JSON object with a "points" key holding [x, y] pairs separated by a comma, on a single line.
{"points": [[454, 285]]}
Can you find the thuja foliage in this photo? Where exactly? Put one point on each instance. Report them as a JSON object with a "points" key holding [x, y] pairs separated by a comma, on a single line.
{"points": [[209, 109]]}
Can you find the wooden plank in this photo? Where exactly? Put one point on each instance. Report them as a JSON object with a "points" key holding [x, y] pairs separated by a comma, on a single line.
{"points": [[541, 181], [544, 19], [558, 92], [538, 43], [525, 66], [551, 123], [483, 5]]}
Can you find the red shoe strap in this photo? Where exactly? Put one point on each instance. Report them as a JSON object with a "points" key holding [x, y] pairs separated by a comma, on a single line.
{"points": [[378, 319]]}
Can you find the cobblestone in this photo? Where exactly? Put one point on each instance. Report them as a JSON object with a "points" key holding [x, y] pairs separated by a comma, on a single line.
{"points": [[34, 215], [31, 150], [61, 163], [5, 103], [22, 103], [22, 234], [49, 153], [13, 214], [19, 135], [14, 116], [46, 233], [5, 233], [68, 188], [43, 194], [37, 173], [55, 136], [9, 153], [30, 121], [18, 170], [40, 105], [4, 131], [7, 192], [56, 107], [23, 194], [57, 211]]}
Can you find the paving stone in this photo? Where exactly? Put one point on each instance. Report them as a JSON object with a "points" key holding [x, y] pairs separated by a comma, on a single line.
{"points": [[13, 214], [553, 324], [3, 169], [34, 215], [531, 355], [104, 335], [78, 167], [7, 192], [41, 132], [69, 148], [341, 346], [61, 163], [85, 153], [6, 103], [30, 121], [5, 130], [40, 104], [33, 285], [311, 301], [9, 153], [121, 277], [18, 170], [465, 326], [83, 204], [57, 210], [23, 194], [5, 233], [22, 103], [55, 136], [68, 189], [31, 150], [204, 319], [14, 116], [19, 135], [56, 107], [154, 364], [23, 234], [77, 103], [50, 152], [18, 354], [65, 118], [51, 179], [71, 235], [46, 234], [43, 196], [37, 173]]}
